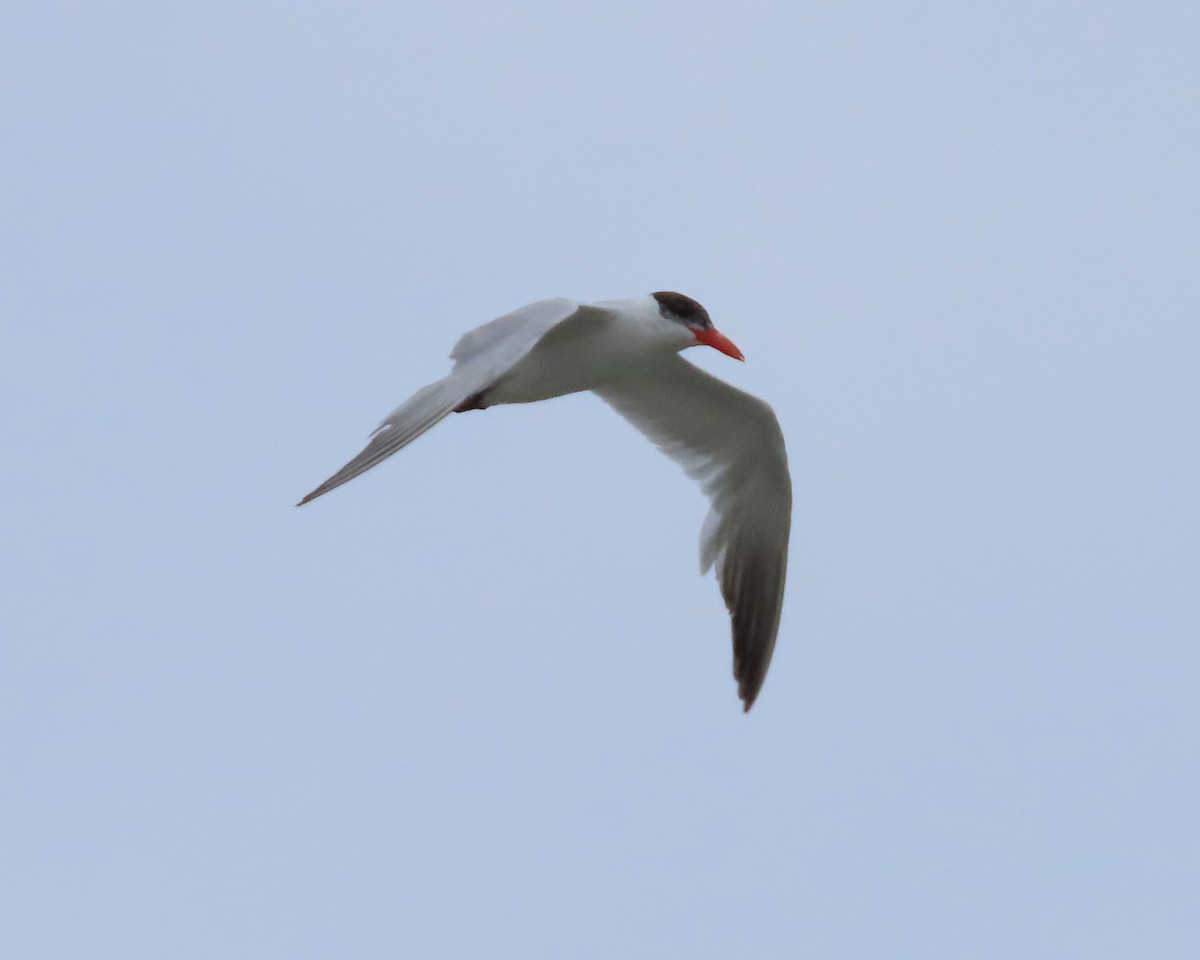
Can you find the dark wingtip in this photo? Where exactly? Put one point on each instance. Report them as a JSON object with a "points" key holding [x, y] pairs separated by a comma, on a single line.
{"points": [[748, 685]]}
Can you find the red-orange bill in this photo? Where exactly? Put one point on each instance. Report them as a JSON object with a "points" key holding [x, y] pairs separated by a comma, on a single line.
{"points": [[711, 337]]}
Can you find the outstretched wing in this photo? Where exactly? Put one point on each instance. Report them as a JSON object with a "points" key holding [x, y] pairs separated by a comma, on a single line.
{"points": [[730, 442], [481, 357]]}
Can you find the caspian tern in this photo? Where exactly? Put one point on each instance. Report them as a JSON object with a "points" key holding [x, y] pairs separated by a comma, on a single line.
{"points": [[627, 352]]}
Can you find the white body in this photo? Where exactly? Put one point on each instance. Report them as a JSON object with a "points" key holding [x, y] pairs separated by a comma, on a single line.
{"points": [[596, 345]]}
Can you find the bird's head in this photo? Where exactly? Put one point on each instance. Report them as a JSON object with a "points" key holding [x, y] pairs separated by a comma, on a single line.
{"points": [[689, 314]]}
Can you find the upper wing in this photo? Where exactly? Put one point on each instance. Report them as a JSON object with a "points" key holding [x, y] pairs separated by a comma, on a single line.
{"points": [[481, 357], [730, 442], [500, 343]]}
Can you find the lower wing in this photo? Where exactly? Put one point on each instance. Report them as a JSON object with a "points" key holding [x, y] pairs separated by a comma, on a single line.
{"points": [[730, 442]]}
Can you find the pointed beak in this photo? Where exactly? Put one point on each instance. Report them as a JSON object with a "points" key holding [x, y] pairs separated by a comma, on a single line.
{"points": [[718, 341]]}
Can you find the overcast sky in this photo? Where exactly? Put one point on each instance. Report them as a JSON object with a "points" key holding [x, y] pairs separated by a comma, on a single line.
{"points": [[478, 702]]}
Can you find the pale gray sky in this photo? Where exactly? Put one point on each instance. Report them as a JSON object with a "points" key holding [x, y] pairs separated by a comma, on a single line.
{"points": [[478, 703]]}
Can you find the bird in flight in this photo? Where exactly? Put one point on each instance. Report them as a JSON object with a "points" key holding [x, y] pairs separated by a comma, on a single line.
{"points": [[627, 352]]}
